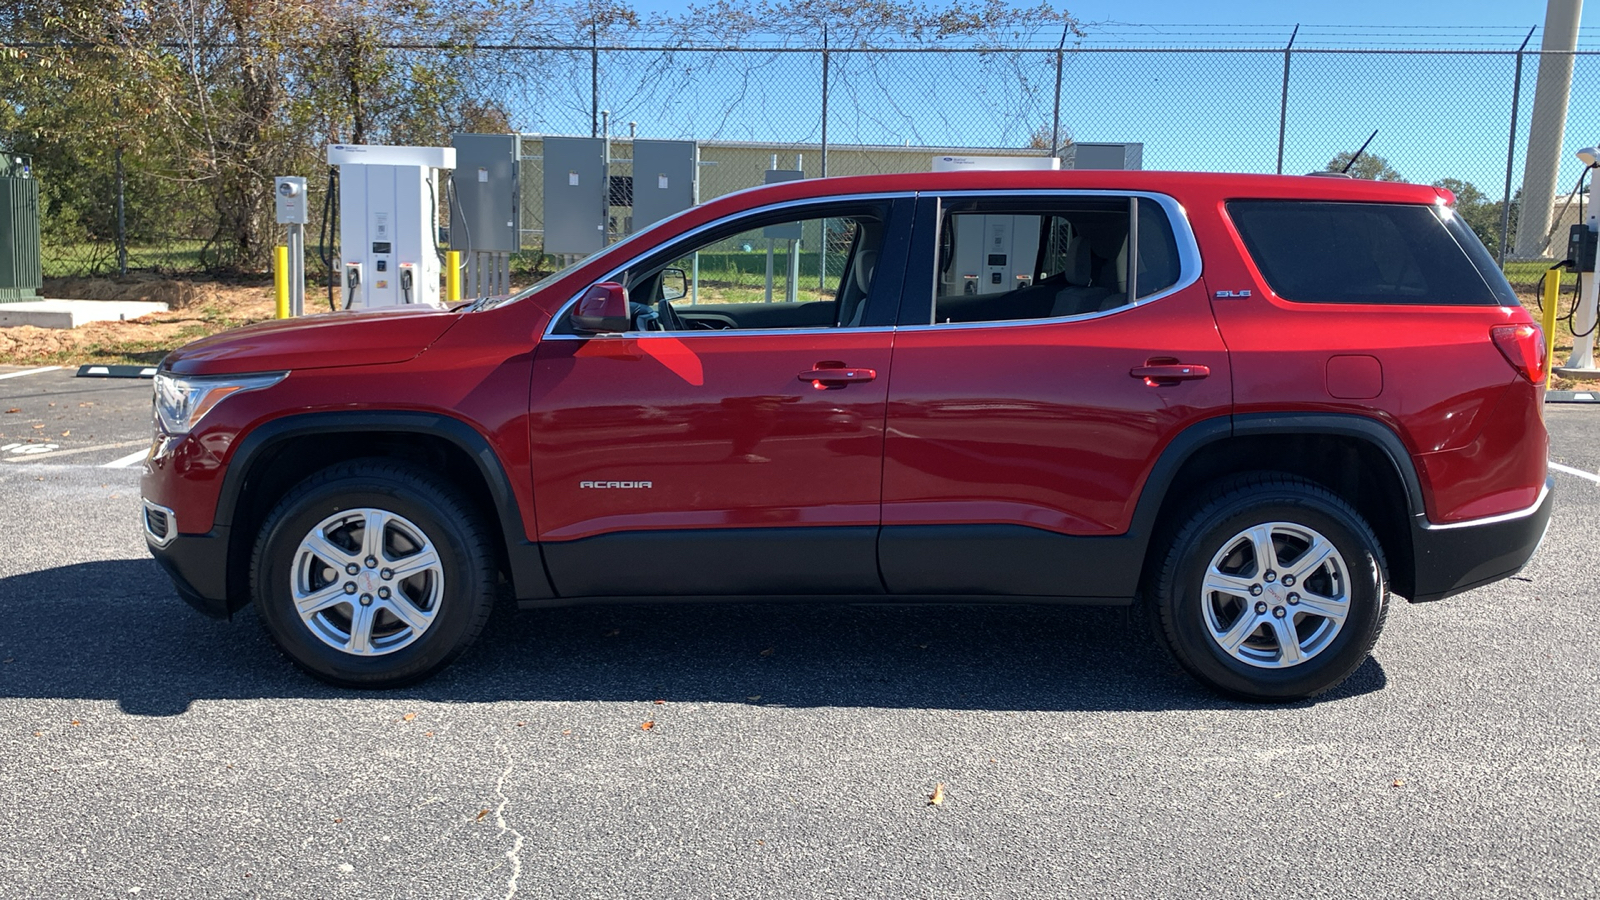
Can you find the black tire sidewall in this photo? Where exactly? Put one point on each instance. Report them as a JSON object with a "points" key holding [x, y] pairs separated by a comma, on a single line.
{"points": [[1182, 596], [460, 551]]}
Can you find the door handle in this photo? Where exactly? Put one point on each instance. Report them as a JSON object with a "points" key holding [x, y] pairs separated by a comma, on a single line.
{"points": [[836, 375], [1155, 373]]}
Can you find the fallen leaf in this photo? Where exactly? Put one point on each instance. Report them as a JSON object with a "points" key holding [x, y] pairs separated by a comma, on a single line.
{"points": [[67, 433], [1398, 783], [12, 410], [337, 821], [647, 725], [40, 425], [427, 734], [76, 722], [522, 724], [481, 814], [769, 651], [568, 731], [937, 797], [659, 702], [409, 716], [38, 734]]}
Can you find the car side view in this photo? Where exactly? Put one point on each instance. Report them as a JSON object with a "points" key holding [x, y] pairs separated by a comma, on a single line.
{"points": [[1259, 406]]}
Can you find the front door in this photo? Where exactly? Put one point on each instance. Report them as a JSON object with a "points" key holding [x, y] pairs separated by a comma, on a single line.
{"points": [[731, 441]]}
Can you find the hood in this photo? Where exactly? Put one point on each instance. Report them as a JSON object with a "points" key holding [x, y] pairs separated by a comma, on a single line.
{"points": [[323, 341]]}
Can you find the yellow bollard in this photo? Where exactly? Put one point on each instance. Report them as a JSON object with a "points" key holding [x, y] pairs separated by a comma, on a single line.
{"points": [[1552, 295], [280, 278], [452, 276]]}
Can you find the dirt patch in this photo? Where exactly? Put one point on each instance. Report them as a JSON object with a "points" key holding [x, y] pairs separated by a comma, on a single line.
{"points": [[197, 309], [136, 286]]}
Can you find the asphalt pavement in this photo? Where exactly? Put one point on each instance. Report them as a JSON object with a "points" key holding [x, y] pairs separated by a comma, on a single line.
{"points": [[146, 751]]}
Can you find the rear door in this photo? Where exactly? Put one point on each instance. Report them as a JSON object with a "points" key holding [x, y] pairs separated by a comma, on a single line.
{"points": [[1050, 347]]}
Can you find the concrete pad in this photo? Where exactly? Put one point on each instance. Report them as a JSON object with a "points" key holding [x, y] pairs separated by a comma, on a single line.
{"points": [[72, 313]]}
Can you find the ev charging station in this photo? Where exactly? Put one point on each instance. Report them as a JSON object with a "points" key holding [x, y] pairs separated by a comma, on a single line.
{"points": [[1583, 245], [388, 223]]}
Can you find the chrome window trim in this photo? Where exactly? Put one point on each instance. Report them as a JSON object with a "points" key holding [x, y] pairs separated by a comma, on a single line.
{"points": [[549, 330], [1189, 262]]}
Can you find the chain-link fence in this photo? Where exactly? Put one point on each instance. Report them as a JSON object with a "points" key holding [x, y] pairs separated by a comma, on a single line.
{"points": [[1454, 117]]}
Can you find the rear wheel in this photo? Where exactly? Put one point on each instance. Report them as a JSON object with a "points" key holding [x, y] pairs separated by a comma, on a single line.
{"points": [[373, 574], [1272, 590]]}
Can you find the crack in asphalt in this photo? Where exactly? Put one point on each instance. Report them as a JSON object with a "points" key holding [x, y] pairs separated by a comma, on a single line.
{"points": [[514, 854]]}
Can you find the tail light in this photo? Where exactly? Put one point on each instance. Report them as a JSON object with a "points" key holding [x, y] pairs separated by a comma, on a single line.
{"points": [[1523, 348]]}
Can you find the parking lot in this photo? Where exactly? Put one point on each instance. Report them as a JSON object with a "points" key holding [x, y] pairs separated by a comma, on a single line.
{"points": [[743, 750]]}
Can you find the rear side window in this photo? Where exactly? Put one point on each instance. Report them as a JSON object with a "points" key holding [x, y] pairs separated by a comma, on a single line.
{"points": [[1368, 253]]}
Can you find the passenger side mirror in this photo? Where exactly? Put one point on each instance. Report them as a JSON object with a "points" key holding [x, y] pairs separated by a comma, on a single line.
{"points": [[674, 284], [602, 309]]}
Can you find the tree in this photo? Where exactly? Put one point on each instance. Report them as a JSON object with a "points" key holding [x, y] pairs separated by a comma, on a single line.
{"points": [[1369, 166], [1480, 213], [1044, 136]]}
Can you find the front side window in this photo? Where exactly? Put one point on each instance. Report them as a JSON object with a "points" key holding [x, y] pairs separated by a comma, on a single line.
{"points": [[1005, 259], [766, 272]]}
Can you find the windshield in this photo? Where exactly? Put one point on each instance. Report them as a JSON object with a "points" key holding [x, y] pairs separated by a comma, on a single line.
{"points": [[541, 284]]}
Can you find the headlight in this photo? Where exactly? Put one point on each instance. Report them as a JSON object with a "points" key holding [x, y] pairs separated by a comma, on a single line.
{"points": [[182, 401]]}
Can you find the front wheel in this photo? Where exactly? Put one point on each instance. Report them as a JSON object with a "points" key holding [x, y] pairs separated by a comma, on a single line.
{"points": [[372, 573], [1273, 590]]}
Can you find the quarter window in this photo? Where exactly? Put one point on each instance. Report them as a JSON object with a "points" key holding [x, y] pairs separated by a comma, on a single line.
{"points": [[1368, 253]]}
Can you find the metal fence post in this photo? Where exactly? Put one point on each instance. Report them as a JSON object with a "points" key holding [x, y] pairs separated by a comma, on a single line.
{"points": [[1283, 104], [594, 80], [1055, 121], [1511, 153], [822, 245]]}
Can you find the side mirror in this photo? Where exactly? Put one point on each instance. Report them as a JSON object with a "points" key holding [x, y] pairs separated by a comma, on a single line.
{"points": [[674, 284], [603, 308]]}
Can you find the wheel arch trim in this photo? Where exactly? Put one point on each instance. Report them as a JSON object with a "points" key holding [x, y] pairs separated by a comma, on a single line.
{"points": [[527, 566]]}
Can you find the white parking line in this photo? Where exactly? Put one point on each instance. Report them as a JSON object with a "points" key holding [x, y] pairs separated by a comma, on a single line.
{"points": [[29, 372], [52, 454], [135, 457], [1578, 472]]}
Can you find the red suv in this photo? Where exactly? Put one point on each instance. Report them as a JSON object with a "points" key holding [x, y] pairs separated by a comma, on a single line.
{"points": [[1256, 405]]}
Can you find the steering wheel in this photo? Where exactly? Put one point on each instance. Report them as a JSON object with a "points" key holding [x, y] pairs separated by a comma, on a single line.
{"points": [[667, 318]]}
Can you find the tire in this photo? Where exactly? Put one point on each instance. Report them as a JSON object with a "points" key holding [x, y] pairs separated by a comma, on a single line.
{"points": [[358, 615], [1278, 627]]}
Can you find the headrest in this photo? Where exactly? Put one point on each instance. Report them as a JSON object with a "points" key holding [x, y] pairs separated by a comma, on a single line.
{"points": [[1076, 264]]}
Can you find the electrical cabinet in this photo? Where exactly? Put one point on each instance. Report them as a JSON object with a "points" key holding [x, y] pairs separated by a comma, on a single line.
{"points": [[21, 270]]}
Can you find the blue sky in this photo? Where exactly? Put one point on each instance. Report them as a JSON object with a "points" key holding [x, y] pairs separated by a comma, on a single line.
{"points": [[1438, 115]]}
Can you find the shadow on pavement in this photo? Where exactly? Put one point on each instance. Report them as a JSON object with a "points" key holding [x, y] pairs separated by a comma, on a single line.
{"points": [[115, 630]]}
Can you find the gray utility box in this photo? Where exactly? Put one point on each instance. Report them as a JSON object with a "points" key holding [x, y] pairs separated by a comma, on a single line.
{"points": [[487, 214], [21, 271], [576, 200], [663, 180], [1108, 156]]}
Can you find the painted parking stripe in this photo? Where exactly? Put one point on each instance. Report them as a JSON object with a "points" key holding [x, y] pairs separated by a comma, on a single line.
{"points": [[37, 371], [1578, 472], [52, 454], [135, 457]]}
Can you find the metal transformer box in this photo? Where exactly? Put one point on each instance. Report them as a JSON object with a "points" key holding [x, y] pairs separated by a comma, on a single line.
{"points": [[21, 272], [487, 214]]}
